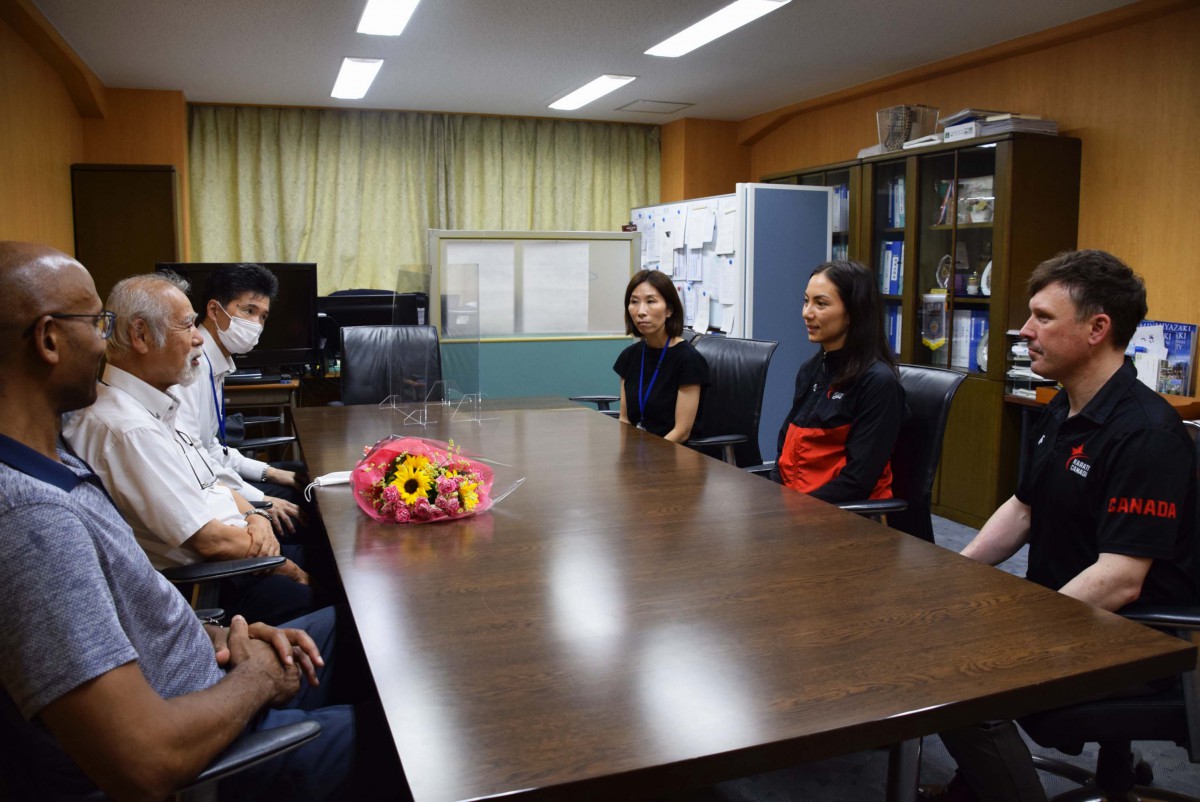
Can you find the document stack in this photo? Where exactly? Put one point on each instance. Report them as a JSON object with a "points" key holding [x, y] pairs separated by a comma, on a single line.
{"points": [[1005, 123]]}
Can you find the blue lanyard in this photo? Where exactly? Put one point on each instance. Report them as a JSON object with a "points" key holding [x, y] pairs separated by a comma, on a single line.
{"points": [[218, 405], [643, 397]]}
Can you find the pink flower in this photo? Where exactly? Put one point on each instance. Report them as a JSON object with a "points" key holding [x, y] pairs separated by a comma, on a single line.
{"points": [[401, 514], [391, 495], [423, 510], [449, 505], [447, 485]]}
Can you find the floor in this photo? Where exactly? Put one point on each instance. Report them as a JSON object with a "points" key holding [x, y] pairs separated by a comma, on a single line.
{"points": [[862, 776]]}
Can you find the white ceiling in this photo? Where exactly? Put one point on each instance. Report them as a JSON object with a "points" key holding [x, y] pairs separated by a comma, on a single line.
{"points": [[514, 57]]}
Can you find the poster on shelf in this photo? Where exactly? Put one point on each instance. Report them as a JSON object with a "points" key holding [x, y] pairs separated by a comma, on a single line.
{"points": [[1174, 345]]}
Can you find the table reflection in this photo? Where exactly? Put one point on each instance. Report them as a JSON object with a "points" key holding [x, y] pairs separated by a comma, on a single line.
{"points": [[587, 601], [693, 692]]}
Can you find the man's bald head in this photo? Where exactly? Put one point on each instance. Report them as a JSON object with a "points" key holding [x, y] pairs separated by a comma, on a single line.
{"points": [[37, 280], [49, 350]]}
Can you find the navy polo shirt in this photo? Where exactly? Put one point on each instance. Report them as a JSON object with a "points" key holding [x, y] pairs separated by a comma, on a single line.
{"points": [[1119, 477]]}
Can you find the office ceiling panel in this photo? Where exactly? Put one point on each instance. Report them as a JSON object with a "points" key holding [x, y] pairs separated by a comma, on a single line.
{"points": [[516, 56]]}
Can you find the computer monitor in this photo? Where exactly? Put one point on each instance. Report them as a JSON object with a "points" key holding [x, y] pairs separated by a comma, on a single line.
{"points": [[290, 337], [368, 308]]}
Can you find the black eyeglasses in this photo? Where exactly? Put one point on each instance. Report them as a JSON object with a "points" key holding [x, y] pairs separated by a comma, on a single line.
{"points": [[104, 322]]}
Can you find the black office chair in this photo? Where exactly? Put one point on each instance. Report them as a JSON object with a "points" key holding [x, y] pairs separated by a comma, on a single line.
{"points": [[17, 782], [1172, 714], [928, 393], [199, 581], [732, 404], [602, 402], [381, 361], [237, 424]]}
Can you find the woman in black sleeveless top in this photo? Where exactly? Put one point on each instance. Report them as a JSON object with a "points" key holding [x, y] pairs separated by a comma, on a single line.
{"points": [[662, 376]]}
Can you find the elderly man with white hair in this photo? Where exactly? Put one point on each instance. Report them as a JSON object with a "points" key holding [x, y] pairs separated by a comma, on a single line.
{"points": [[160, 478]]}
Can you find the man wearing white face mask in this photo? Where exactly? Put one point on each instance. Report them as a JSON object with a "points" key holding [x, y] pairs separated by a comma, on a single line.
{"points": [[237, 303]]}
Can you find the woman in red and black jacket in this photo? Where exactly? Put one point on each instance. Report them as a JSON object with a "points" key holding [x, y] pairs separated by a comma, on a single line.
{"points": [[836, 443]]}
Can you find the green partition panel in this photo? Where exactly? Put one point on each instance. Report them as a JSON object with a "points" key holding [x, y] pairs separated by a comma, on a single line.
{"points": [[506, 369]]}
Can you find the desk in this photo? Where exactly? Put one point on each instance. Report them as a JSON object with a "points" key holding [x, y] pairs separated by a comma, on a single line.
{"points": [[276, 399], [638, 617], [281, 394]]}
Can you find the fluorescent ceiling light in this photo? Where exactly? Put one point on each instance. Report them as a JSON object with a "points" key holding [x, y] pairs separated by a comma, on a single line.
{"points": [[355, 77], [591, 91], [728, 19], [386, 17]]}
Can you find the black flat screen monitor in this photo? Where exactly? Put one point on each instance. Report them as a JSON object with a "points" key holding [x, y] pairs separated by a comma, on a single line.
{"points": [[290, 337], [365, 308]]}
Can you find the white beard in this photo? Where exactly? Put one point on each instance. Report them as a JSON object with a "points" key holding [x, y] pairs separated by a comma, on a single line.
{"points": [[190, 372]]}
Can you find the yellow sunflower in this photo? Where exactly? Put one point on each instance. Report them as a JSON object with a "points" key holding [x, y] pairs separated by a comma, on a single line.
{"points": [[467, 495], [412, 483], [418, 463]]}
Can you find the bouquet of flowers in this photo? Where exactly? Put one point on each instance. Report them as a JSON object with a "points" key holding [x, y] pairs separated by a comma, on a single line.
{"points": [[415, 480]]}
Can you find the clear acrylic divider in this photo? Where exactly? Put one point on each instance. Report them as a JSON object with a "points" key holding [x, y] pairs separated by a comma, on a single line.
{"points": [[465, 315], [414, 368]]}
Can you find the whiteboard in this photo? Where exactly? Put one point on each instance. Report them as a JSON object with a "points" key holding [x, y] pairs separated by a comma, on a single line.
{"points": [[530, 284]]}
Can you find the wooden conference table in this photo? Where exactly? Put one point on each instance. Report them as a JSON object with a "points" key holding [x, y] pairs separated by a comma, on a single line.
{"points": [[638, 618]]}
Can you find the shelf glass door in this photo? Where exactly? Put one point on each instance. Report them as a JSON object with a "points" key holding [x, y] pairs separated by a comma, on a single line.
{"points": [[957, 203], [887, 247]]}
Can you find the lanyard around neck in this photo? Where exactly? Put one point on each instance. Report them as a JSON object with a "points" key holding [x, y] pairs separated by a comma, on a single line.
{"points": [[218, 405], [643, 397]]}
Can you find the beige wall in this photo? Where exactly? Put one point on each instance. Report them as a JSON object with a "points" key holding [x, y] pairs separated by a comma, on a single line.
{"points": [[42, 133], [40, 137], [1132, 94]]}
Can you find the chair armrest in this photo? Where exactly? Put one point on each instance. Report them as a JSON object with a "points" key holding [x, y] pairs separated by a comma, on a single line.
{"points": [[258, 420], [223, 569], [716, 441], [612, 413], [874, 506], [265, 442], [601, 401], [210, 615], [256, 747], [1174, 616], [759, 470]]}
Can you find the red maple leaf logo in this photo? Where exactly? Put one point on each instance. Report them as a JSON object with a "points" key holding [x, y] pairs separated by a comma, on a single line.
{"points": [[1076, 453]]}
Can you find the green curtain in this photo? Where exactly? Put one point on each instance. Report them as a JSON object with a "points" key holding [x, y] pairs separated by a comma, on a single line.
{"points": [[355, 191]]}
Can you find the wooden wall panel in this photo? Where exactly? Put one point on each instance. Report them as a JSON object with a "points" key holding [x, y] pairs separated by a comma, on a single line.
{"points": [[1131, 94], [700, 158], [40, 137], [671, 167], [143, 126]]}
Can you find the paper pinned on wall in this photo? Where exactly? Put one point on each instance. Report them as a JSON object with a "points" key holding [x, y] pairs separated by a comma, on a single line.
{"points": [[701, 218], [727, 225], [689, 302], [702, 312], [666, 238], [728, 316], [728, 290], [695, 268]]}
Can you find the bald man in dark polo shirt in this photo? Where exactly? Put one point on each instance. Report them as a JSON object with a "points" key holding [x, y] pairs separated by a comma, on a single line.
{"points": [[1106, 495]]}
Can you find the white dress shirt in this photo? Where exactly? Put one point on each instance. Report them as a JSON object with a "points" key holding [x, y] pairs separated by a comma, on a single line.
{"points": [[198, 418], [159, 478]]}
